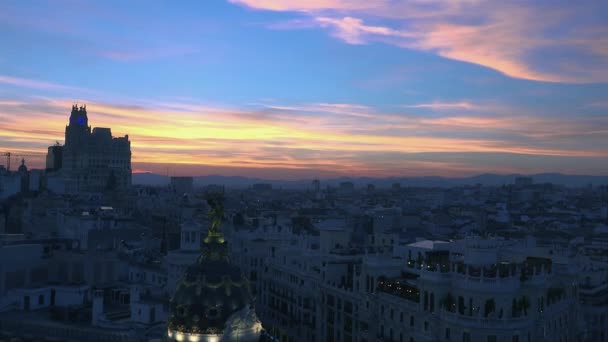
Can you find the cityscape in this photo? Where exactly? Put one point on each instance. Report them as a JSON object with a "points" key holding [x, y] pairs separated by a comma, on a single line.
{"points": [[302, 171]]}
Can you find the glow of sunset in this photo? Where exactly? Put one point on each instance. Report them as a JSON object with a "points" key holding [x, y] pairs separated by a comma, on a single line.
{"points": [[335, 88]]}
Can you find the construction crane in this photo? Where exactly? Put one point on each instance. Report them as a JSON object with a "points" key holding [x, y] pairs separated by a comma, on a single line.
{"points": [[9, 155]]}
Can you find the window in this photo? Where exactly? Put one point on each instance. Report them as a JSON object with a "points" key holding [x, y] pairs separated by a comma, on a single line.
{"points": [[492, 338], [466, 337], [330, 300], [426, 326], [40, 300], [515, 338], [447, 334], [348, 307], [411, 321]]}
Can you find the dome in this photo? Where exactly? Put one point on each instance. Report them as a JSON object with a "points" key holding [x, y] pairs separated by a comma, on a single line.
{"points": [[213, 301], [22, 167]]}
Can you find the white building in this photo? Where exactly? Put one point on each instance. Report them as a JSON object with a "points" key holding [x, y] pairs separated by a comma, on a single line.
{"points": [[178, 260], [468, 290]]}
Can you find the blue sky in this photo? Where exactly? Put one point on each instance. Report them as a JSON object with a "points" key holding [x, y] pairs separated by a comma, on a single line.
{"points": [[291, 89]]}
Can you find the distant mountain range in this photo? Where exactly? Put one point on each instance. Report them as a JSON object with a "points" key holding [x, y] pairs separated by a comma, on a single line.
{"points": [[430, 181]]}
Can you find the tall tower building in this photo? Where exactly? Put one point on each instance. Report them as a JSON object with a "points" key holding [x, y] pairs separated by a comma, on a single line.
{"points": [[93, 160]]}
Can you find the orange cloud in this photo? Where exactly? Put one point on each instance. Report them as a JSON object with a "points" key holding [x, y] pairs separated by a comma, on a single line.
{"points": [[333, 138]]}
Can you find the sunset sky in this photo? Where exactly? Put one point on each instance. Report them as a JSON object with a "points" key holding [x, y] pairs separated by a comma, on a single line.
{"points": [[320, 88]]}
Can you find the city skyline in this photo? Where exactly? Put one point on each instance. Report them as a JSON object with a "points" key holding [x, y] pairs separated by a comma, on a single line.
{"points": [[277, 89]]}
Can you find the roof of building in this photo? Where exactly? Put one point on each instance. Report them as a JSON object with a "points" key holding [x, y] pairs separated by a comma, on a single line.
{"points": [[427, 244]]}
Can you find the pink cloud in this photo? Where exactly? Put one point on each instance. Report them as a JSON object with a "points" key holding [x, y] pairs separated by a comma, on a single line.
{"points": [[508, 37], [30, 83], [445, 105], [309, 5], [353, 31]]}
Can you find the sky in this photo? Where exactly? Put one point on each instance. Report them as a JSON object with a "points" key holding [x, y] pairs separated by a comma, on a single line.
{"points": [[297, 89]]}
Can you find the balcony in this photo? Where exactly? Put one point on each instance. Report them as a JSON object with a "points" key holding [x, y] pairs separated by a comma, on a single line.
{"points": [[434, 275], [481, 283], [400, 288], [485, 322]]}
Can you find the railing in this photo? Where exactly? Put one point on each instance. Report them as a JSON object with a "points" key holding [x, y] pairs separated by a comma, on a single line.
{"points": [[434, 275], [497, 284], [477, 321]]}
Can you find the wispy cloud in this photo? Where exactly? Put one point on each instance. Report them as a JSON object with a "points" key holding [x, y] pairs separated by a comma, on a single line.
{"points": [[444, 105], [32, 83], [139, 54], [512, 38], [310, 5], [354, 31], [598, 104]]}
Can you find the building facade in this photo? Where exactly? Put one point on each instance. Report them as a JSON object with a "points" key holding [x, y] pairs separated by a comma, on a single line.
{"points": [[94, 160], [466, 290]]}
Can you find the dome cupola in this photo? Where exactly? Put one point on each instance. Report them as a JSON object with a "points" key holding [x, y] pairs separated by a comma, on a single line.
{"points": [[213, 301]]}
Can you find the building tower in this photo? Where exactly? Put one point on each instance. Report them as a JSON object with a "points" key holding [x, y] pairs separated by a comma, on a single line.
{"points": [[91, 159], [78, 130]]}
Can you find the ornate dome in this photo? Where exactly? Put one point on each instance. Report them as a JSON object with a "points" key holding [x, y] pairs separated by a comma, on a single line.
{"points": [[213, 301]]}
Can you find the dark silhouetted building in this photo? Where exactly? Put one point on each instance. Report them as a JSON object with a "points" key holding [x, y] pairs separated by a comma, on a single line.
{"points": [[54, 158], [182, 184], [93, 160]]}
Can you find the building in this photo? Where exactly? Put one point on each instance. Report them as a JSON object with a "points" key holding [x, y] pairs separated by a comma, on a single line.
{"points": [[10, 184], [523, 181], [182, 185], [213, 301], [316, 185], [262, 187], [54, 158], [479, 290], [92, 160], [178, 260], [474, 289]]}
